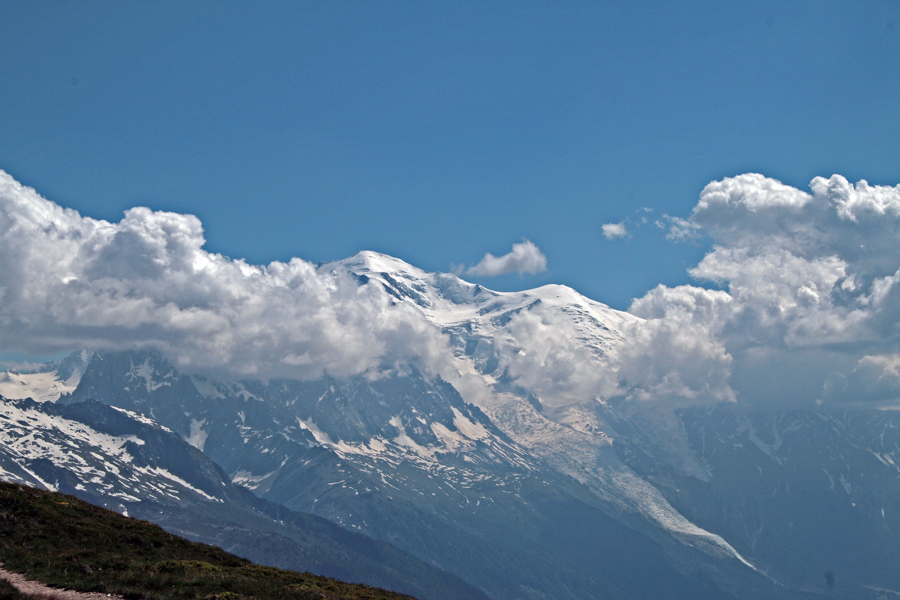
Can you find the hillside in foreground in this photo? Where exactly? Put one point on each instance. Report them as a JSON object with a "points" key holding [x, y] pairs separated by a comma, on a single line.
{"points": [[67, 543]]}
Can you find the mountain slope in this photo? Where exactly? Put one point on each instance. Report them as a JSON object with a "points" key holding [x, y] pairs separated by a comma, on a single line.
{"points": [[406, 460], [492, 332], [813, 496], [118, 459], [68, 543]]}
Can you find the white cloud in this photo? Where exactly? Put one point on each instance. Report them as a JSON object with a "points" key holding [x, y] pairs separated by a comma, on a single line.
{"points": [[677, 361], [811, 295], [525, 257], [542, 353], [68, 281], [680, 230], [808, 305], [877, 378], [612, 231], [675, 353]]}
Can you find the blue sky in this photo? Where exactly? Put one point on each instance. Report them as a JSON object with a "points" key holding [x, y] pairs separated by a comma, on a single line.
{"points": [[438, 132]]}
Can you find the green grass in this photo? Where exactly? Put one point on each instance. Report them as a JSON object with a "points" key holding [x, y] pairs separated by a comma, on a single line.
{"points": [[65, 542]]}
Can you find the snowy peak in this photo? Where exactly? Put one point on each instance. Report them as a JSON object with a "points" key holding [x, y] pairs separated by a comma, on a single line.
{"points": [[433, 292], [367, 261], [43, 387], [46, 382], [101, 453], [450, 302], [451, 288]]}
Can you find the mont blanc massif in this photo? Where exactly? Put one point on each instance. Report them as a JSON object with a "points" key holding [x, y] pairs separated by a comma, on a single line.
{"points": [[476, 478]]}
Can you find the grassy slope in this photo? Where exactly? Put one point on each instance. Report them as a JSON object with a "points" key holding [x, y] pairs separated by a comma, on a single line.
{"points": [[68, 543]]}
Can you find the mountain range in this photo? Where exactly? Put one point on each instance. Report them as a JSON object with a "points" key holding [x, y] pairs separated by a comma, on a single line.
{"points": [[482, 477]]}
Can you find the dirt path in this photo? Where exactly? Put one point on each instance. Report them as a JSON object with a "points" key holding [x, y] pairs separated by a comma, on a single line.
{"points": [[26, 586]]}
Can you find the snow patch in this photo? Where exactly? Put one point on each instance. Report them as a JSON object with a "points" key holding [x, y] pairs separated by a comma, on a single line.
{"points": [[450, 440], [321, 436], [197, 437], [206, 388], [404, 441], [470, 429], [248, 479], [41, 387], [845, 484], [160, 472], [140, 418], [146, 372]]}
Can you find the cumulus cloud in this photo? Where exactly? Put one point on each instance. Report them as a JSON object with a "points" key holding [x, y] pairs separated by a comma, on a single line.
{"points": [[810, 294], [874, 379], [796, 301], [542, 353], [676, 352], [525, 257], [68, 281], [612, 231], [674, 360]]}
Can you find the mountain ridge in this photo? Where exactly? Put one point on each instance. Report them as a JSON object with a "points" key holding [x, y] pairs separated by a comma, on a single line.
{"points": [[114, 458], [479, 460]]}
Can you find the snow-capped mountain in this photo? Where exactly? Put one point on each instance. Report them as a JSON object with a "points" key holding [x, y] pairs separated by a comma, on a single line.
{"points": [[118, 460], [570, 435], [46, 383], [129, 463], [515, 463], [505, 335], [407, 443], [404, 459]]}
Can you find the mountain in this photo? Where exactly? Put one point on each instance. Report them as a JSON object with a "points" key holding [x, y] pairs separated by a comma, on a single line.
{"points": [[812, 496], [46, 383], [70, 544], [515, 466], [129, 463], [407, 461]]}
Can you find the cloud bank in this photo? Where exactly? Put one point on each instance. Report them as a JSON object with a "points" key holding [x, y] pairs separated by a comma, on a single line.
{"points": [[796, 302], [525, 257], [68, 281], [810, 311]]}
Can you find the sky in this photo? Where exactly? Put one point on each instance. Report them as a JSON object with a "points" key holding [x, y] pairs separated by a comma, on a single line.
{"points": [[440, 132], [728, 173]]}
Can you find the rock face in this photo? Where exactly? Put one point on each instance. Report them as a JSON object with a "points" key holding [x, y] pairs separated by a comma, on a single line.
{"points": [[526, 487]]}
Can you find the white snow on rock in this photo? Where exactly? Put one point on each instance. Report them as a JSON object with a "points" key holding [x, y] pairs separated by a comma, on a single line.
{"points": [[521, 331], [152, 380], [197, 436], [41, 387], [101, 462]]}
